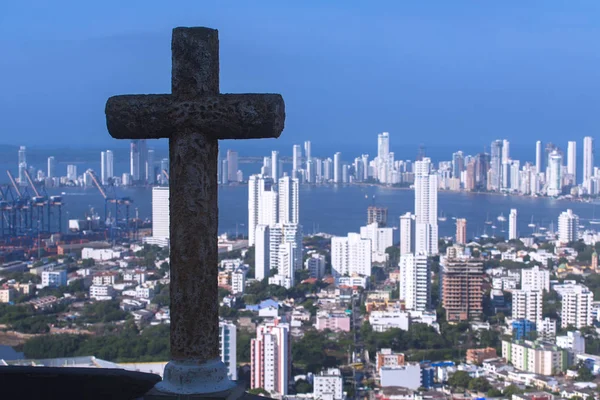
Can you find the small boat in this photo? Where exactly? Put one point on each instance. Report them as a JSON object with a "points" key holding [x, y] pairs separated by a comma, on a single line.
{"points": [[501, 217], [543, 228], [487, 219], [595, 222], [484, 236], [531, 224], [442, 217], [453, 217], [493, 226], [63, 193], [581, 226]]}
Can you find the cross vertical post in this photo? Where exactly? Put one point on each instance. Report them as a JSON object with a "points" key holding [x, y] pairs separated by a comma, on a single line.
{"points": [[194, 117]]}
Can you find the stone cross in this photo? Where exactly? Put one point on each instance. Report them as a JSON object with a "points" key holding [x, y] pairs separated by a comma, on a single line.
{"points": [[193, 117]]}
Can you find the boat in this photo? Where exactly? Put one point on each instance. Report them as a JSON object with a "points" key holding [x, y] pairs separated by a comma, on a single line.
{"points": [[487, 219], [531, 224], [594, 221], [543, 228], [62, 193], [442, 217], [501, 217], [493, 226], [581, 226]]}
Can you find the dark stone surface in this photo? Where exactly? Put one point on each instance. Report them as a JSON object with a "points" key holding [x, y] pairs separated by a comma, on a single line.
{"points": [[19, 382]]}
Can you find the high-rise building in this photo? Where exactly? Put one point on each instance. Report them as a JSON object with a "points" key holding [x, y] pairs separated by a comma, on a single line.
{"points": [[555, 174], [462, 291], [288, 190], [232, 165], [262, 246], [378, 215], [458, 164], [104, 178], [406, 233], [51, 167], [160, 212], [275, 172], [345, 176], [134, 160], [461, 231], [72, 172], [577, 306], [164, 167], [535, 279], [225, 171], [505, 151], [538, 157], [512, 224], [228, 347], [381, 238], [259, 193], [383, 145], [22, 165], [328, 169], [282, 234], [415, 285], [311, 175], [307, 151], [568, 227], [527, 304], [572, 161], [329, 385], [337, 167], [496, 165], [426, 198], [365, 160], [150, 171], [588, 158], [315, 265], [271, 358], [296, 159], [351, 255]]}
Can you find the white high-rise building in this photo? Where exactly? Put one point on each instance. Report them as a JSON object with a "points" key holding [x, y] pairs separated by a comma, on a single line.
{"points": [[259, 195], [350, 255], [106, 160], [271, 358], [337, 167], [296, 159], [505, 151], [160, 212], [228, 347], [568, 227], [415, 285], [72, 172], [406, 233], [110, 165], [535, 279], [262, 249], [280, 234], [51, 167], [22, 165], [512, 224], [426, 198], [527, 304], [315, 264], [288, 190], [286, 259], [555, 174], [134, 160], [307, 150], [577, 308], [588, 158], [572, 160], [275, 165], [383, 145], [381, 239], [538, 157]]}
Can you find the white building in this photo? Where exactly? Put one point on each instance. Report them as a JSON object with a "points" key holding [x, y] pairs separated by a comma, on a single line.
{"points": [[351, 255], [415, 285], [555, 174], [105, 278], [537, 358], [426, 198], [337, 167], [284, 261], [382, 321], [102, 292], [381, 239], [512, 224], [572, 160], [527, 305], [262, 250], [271, 358], [160, 213], [258, 185], [51, 167], [238, 281], [102, 254], [572, 341], [275, 170], [535, 279], [228, 347], [315, 264], [288, 200], [406, 233], [577, 308], [328, 385], [538, 157], [588, 159], [280, 234], [54, 278], [409, 375], [568, 227]]}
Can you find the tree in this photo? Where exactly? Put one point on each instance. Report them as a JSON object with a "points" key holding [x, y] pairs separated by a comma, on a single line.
{"points": [[393, 253], [510, 390], [584, 374], [259, 392], [460, 379], [493, 392], [480, 384], [302, 386]]}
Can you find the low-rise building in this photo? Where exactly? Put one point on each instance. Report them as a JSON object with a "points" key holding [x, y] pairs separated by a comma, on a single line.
{"points": [[335, 321], [328, 385], [315, 264], [238, 281], [408, 374], [105, 278], [7, 294], [54, 278], [476, 356], [136, 275], [102, 292], [573, 341], [102, 254], [382, 321], [387, 358], [144, 292]]}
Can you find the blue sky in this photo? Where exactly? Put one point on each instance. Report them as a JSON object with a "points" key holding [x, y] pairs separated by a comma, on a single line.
{"points": [[436, 72]]}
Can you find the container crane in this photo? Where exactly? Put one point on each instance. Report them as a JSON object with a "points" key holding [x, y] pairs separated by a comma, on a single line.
{"points": [[165, 173], [39, 204], [22, 217]]}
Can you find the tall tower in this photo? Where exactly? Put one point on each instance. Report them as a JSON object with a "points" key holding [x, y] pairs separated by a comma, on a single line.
{"points": [[307, 151], [160, 212], [496, 165], [296, 159], [288, 200], [134, 160], [149, 168], [512, 224], [337, 167], [110, 163], [232, 165], [572, 161], [103, 177], [271, 358], [405, 233], [51, 167], [415, 286], [555, 174], [588, 158], [461, 231], [22, 165], [275, 172], [538, 157], [426, 198], [258, 185]]}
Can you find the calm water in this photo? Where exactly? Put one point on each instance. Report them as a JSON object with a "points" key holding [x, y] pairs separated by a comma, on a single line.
{"points": [[339, 210]]}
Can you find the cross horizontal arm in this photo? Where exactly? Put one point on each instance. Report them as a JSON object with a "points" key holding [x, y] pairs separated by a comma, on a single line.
{"points": [[224, 116]]}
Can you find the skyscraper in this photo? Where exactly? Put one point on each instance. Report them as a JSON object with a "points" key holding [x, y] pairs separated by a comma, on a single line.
{"points": [[288, 191], [462, 292], [414, 286], [160, 212], [275, 165], [350, 255], [51, 167], [232, 165], [258, 185], [588, 158], [296, 160], [337, 167], [149, 168], [458, 164], [22, 165], [496, 165], [505, 151], [262, 251], [572, 161], [134, 160], [512, 224], [461, 231], [426, 198], [271, 358], [538, 157], [103, 168], [327, 169], [383, 145], [228, 347], [164, 167], [307, 151], [285, 252], [568, 227], [405, 233], [555, 174]]}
